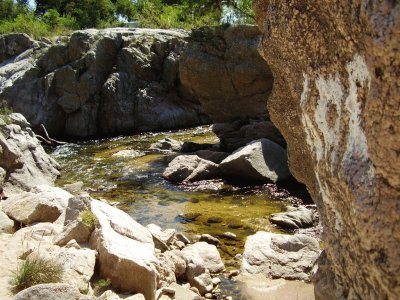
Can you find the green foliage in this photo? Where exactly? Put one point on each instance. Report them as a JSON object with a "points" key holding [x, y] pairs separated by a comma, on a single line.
{"points": [[26, 23], [239, 12], [89, 219], [36, 270], [101, 286], [9, 9]]}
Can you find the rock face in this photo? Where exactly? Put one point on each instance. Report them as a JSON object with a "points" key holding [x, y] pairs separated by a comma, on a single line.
{"points": [[261, 160], [222, 69], [125, 249], [23, 161], [280, 256], [336, 82], [113, 81]]}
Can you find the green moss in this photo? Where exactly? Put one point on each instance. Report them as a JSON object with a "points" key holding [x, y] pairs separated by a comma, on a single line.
{"points": [[101, 286]]}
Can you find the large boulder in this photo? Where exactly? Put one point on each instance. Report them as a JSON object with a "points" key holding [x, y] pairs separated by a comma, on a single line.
{"points": [[42, 204], [22, 157], [223, 70], [261, 160], [126, 253], [280, 256], [336, 99], [190, 168]]}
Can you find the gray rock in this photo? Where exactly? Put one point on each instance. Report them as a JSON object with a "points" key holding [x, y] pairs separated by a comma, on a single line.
{"points": [[214, 156], [280, 256], [14, 44], [261, 160], [6, 224], [74, 188], [167, 144], [209, 239], [190, 168], [75, 230], [204, 255], [42, 204], [296, 218], [51, 291], [128, 154]]}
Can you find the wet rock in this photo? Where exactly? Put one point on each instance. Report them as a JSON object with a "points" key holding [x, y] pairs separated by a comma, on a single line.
{"points": [[261, 160], [209, 239], [294, 218], [167, 144], [229, 235], [128, 154], [190, 168], [280, 256], [114, 240], [214, 220]]}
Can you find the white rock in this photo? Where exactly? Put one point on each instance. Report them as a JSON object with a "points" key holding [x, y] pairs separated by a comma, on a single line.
{"points": [[280, 256], [205, 255], [125, 251], [51, 291], [6, 224], [128, 154]]}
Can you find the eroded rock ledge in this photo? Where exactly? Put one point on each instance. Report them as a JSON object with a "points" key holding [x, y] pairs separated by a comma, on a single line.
{"points": [[335, 66], [119, 80]]}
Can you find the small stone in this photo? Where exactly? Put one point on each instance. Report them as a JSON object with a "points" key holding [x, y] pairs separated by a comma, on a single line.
{"points": [[229, 298], [72, 244], [229, 236], [168, 290], [180, 245], [216, 281], [194, 289], [209, 239], [208, 296], [233, 273], [238, 256], [181, 237]]}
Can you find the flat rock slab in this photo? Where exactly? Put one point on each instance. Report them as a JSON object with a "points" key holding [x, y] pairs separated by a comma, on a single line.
{"points": [[280, 256]]}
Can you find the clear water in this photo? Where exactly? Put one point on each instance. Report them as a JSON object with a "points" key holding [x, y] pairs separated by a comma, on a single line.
{"points": [[138, 187]]}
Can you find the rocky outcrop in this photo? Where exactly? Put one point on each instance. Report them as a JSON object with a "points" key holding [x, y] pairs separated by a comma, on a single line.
{"points": [[113, 81], [23, 161], [280, 256], [335, 66], [222, 69]]}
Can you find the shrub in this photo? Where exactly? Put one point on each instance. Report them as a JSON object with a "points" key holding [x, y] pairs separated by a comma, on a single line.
{"points": [[89, 219], [101, 286], [36, 270]]}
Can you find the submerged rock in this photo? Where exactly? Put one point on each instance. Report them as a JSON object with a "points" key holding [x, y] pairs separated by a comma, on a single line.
{"points": [[280, 256], [261, 160]]}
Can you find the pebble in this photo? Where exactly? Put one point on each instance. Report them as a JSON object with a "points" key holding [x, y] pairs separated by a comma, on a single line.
{"points": [[229, 298], [208, 296], [229, 236], [194, 289], [216, 281]]}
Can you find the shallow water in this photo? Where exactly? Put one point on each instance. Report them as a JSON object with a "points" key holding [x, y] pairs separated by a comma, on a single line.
{"points": [[137, 185]]}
